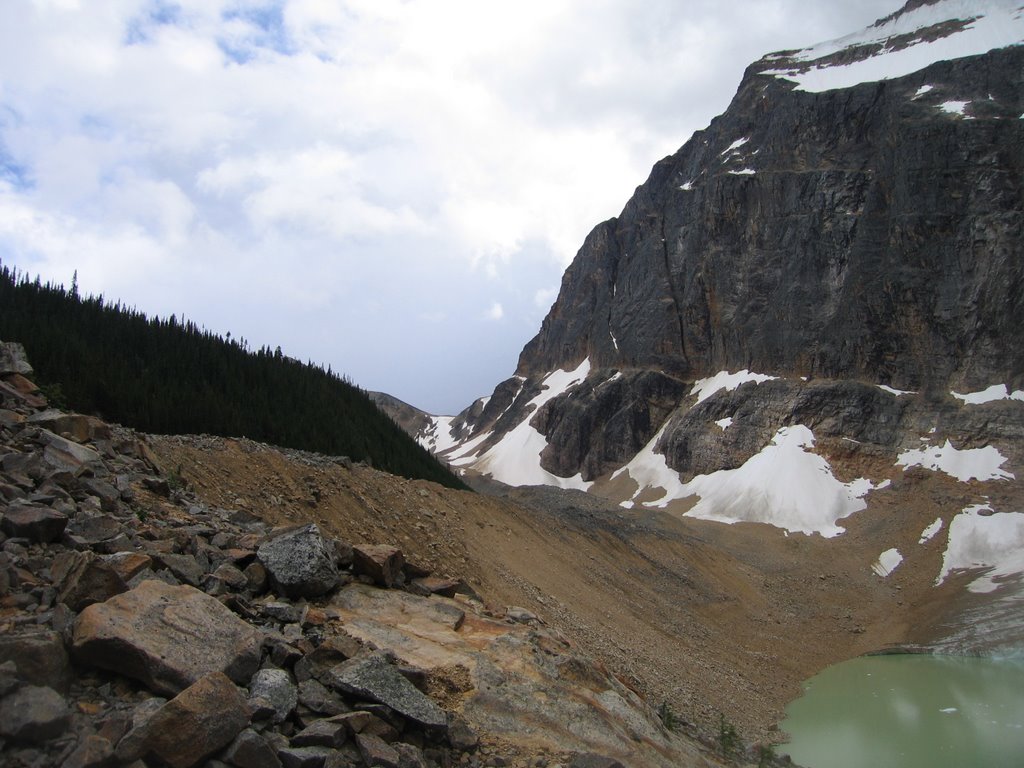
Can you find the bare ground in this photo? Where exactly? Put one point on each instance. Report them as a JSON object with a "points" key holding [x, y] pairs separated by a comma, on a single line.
{"points": [[713, 619]]}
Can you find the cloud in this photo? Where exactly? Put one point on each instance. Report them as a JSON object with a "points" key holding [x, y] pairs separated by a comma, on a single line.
{"points": [[296, 169]]}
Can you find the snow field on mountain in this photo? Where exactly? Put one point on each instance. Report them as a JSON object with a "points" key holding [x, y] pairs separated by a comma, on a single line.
{"points": [[705, 388], [976, 540], [785, 485], [929, 533], [993, 393], [995, 24], [965, 465], [515, 459]]}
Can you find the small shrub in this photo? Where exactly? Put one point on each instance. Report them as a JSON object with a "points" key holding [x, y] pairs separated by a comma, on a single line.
{"points": [[728, 739], [668, 716]]}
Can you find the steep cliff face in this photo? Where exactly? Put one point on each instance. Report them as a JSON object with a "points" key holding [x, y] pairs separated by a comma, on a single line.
{"points": [[866, 232]]}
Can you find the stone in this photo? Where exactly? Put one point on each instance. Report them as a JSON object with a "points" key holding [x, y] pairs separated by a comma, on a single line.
{"points": [[63, 454], [13, 359], [168, 637], [256, 576], [316, 696], [461, 736], [304, 757], [185, 567], [376, 751], [34, 522], [372, 677], [435, 585], [197, 723], [410, 756], [322, 733], [381, 562], [83, 578], [108, 494], [283, 612], [277, 688], [92, 529], [230, 576], [129, 564], [8, 677], [92, 751], [250, 750], [40, 657], [300, 562], [73, 426], [33, 714]]}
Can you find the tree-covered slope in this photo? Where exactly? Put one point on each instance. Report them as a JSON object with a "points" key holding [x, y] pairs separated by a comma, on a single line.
{"points": [[171, 376]]}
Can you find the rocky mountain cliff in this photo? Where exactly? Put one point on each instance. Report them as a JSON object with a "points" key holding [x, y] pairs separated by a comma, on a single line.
{"points": [[816, 295]]}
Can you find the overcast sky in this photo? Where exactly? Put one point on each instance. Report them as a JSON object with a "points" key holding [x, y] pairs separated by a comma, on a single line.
{"points": [[391, 187]]}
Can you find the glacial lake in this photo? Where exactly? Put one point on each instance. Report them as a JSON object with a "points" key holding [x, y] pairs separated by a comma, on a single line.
{"points": [[910, 711]]}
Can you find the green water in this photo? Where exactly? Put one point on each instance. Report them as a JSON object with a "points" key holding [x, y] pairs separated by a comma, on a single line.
{"points": [[910, 712]]}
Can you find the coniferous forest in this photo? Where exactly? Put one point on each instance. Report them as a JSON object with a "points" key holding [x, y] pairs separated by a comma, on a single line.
{"points": [[170, 376]]}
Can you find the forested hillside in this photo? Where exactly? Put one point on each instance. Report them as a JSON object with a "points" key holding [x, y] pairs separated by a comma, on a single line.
{"points": [[171, 376]]}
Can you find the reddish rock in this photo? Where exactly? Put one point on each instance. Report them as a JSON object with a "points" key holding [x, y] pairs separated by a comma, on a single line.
{"points": [[381, 562], [83, 578], [166, 636], [129, 564], [198, 722], [435, 585]]}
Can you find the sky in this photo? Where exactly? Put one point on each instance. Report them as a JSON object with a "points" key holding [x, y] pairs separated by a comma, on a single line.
{"points": [[389, 187]]}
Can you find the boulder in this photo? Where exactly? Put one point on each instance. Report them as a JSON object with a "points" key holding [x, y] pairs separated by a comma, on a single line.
{"points": [[435, 585], [166, 636], [40, 658], [198, 722], [74, 426], [13, 359], [250, 750], [377, 752], [276, 687], [92, 529], [66, 455], [381, 562], [300, 563], [372, 677], [322, 733], [305, 757], [83, 578], [34, 522], [92, 751], [33, 714]]}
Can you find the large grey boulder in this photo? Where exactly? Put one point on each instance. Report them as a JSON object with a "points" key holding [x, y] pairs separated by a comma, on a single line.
{"points": [[166, 636], [275, 687], [300, 562], [13, 359]]}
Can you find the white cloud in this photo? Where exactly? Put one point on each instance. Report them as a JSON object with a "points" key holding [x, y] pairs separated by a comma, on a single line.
{"points": [[272, 168], [496, 312]]}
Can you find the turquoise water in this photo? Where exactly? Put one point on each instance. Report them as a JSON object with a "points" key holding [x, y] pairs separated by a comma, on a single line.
{"points": [[910, 711]]}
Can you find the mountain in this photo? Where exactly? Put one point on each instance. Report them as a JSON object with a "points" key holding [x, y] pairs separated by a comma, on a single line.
{"points": [[812, 309]]}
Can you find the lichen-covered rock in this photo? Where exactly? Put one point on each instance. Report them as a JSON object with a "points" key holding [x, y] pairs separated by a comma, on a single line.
{"points": [[300, 563], [372, 677], [276, 687], [166, 636]]}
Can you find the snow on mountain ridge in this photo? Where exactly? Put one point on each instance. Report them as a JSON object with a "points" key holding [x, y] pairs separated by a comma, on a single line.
{"points": [[905, 42]]}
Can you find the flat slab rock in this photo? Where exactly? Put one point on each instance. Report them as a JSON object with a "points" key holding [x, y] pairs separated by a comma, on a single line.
{"points": [[166, 636], [372, 677]]}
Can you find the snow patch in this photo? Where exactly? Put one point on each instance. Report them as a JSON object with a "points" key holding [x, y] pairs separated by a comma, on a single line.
{"points": [[784, 485], [948, 710], [954, 107], [686, 186], [887, 562], [724, 423], [515, 459], [743, 172], [705, 388], [895, 392], [615, 341], [994, 24], [923, 90], [993, 541], [438, 437], [734, 146], [993, 393], [968, 464], [929, 533]]}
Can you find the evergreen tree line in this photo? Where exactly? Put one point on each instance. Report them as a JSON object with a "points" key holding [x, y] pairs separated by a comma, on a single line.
{"points": [[169, 376]]}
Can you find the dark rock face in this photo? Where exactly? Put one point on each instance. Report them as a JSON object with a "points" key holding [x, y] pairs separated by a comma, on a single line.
{"points": [[855, 236], [878, 237]]}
